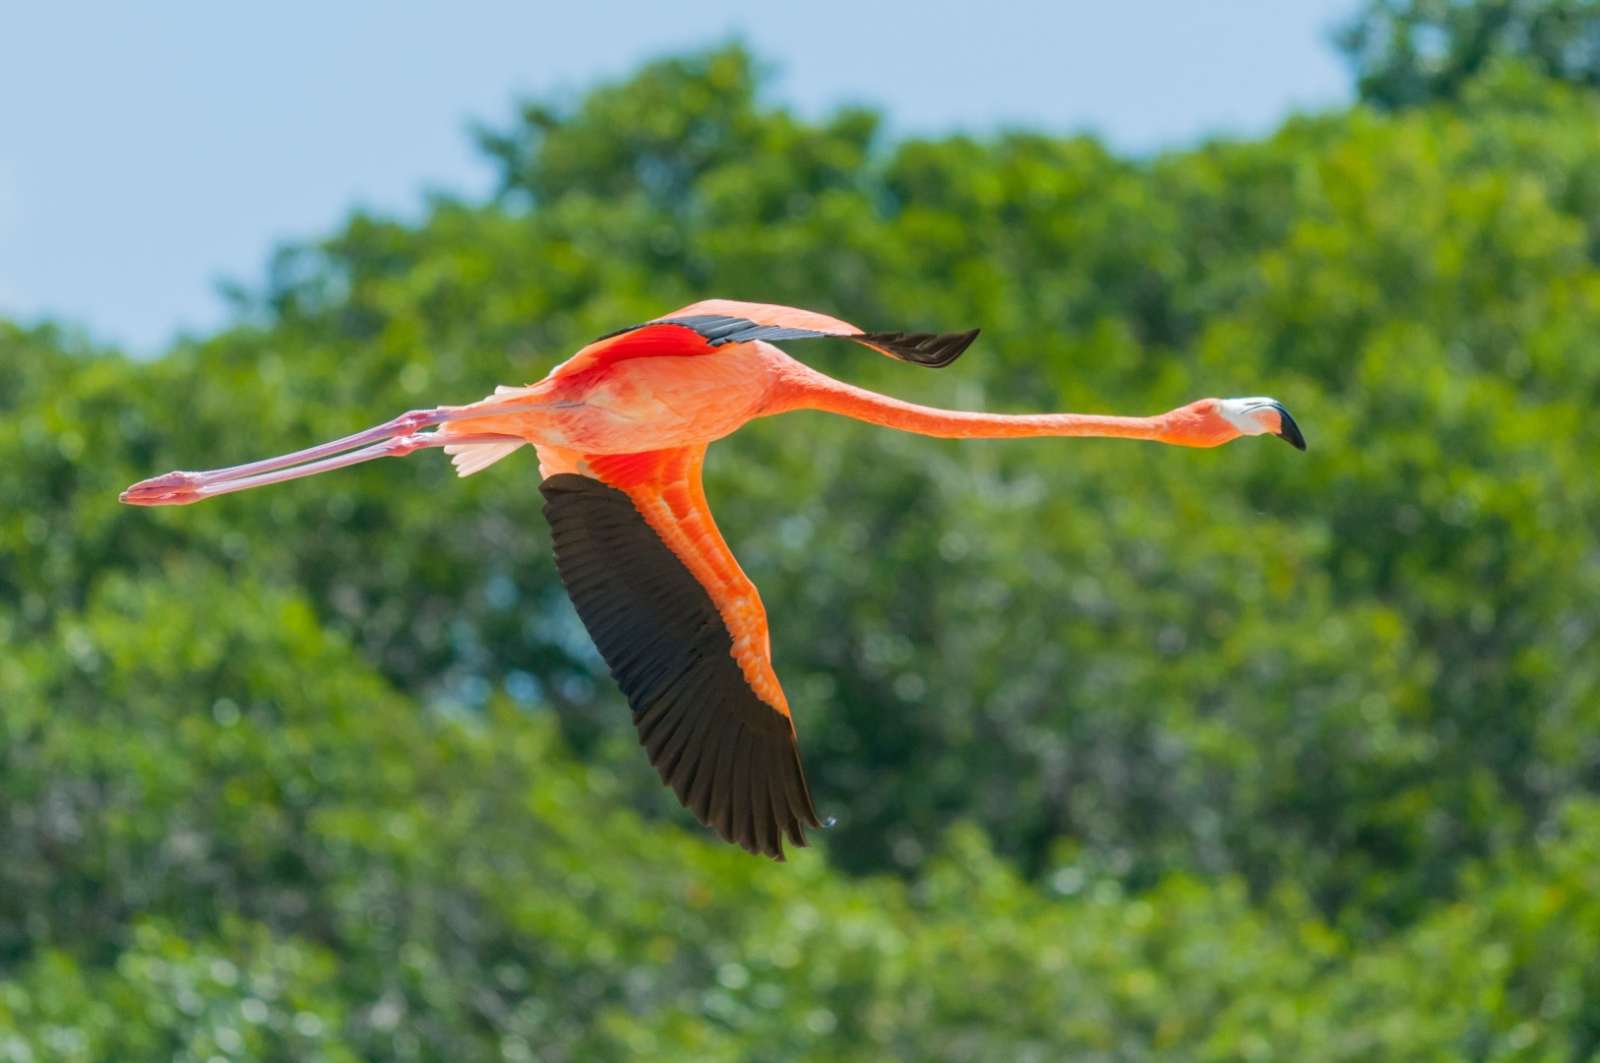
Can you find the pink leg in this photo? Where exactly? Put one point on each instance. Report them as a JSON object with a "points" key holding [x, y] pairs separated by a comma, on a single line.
{"points": [[178, 488], [174, 486], [406, 423]]}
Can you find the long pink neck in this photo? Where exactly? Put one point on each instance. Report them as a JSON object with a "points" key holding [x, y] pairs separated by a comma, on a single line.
{"points": [[810, 390]]}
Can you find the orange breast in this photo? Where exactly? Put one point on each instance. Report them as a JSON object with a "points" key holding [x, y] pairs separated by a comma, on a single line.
{"points": [[653, 403]]}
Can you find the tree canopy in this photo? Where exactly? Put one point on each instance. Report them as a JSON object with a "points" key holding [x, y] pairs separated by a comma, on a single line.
{"points": [[1135, 751], [1406, 52]]}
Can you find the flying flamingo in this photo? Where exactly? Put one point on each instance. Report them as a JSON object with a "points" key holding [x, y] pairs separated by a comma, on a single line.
{"points": [[620, 431]]}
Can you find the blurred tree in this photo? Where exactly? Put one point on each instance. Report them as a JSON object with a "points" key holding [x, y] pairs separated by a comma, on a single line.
{"points": [[226, 837], [1228, 753], [1409, 52], [1096, 638]]}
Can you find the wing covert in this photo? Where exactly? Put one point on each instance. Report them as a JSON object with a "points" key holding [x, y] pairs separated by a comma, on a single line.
{"points": [[718, 322]]}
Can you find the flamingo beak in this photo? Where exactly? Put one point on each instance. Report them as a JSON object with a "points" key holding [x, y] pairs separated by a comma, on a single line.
{"points": [[1288, 431]]}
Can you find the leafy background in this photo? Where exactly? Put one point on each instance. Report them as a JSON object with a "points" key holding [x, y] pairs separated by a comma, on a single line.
{"points": [[1135, 751]]}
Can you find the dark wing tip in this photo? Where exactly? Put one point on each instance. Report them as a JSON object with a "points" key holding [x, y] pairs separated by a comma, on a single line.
{"points": [[934, 350], [758, 791]]}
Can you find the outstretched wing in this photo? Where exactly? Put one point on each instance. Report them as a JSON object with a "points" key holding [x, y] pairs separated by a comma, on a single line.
{"points": [[705, 326], [729, 321], [683, 631]]}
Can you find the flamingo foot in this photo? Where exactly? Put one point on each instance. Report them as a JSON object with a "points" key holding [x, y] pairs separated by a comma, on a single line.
{"points": [[168, 489]]}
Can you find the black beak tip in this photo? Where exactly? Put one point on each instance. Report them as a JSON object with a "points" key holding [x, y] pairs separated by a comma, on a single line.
{"points": [[1290, 432]]}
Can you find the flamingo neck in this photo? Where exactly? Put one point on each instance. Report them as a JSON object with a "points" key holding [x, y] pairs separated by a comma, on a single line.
{"points": [[810, 390]]}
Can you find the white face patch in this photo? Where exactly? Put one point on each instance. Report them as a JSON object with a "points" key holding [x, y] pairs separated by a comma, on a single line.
{"points": [[1241, 413]]}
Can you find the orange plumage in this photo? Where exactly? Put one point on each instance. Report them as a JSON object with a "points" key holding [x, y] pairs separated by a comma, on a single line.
{"points": [[621, 430]]}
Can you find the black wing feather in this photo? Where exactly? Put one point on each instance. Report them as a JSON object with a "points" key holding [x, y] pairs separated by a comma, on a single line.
{"points": [[713, 741], [932, 349]]}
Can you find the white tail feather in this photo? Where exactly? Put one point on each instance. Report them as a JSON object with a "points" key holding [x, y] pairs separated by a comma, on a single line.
{"points": [[469, 458]]}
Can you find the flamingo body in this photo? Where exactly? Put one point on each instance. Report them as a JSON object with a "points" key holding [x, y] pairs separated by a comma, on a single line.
{"points": [[621, 430]]}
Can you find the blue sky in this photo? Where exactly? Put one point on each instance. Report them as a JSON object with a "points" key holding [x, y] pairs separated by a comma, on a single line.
{"points": [[149, 150]]}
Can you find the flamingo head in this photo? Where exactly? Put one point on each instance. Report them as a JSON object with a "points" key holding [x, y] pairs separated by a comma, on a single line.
{"points": [[1213, 422]]}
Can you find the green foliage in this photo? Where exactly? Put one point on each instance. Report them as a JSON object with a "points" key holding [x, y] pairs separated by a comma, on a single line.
{"points": [[1135, 751], [1408, 52], [227, 836]]}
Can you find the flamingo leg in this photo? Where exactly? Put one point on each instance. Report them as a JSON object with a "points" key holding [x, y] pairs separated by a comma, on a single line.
{"points": [[172, 487], [181, 488], [405, 424]]}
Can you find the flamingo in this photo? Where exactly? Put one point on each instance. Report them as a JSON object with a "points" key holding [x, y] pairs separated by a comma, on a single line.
{"points": [[620, 431]]}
